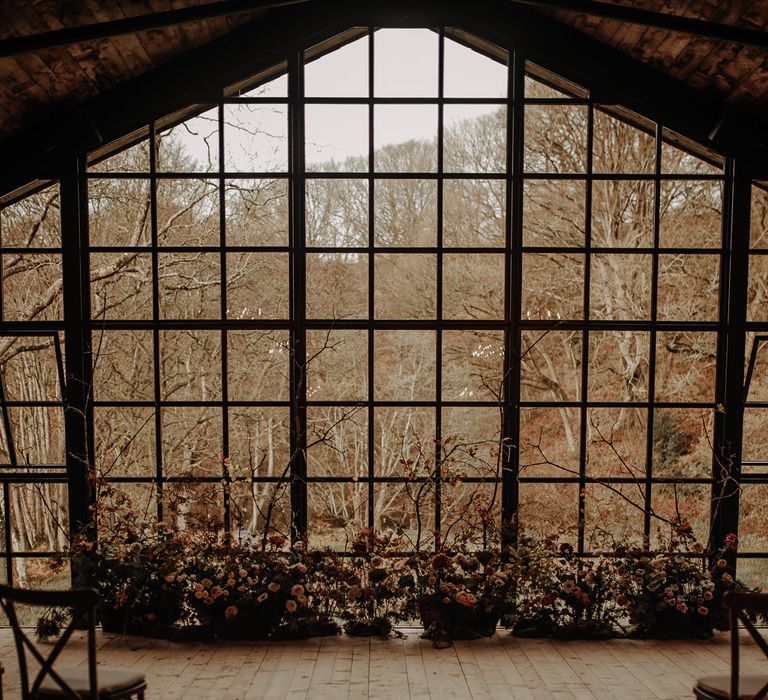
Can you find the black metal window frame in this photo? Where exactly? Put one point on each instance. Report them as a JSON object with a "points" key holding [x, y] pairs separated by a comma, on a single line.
{"points": [[79, 327]]}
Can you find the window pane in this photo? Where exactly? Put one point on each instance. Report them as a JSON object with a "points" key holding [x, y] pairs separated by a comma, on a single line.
{"points": [[119, 212], [405, 212], [121, 286], [616, 443], [188, 213], [32, 287], [549, 508], [125, 441], [190, 364], [404, 365], [475, 138], [620, 287], [405, 286], [613, 515], [257, 285], [337, 513], [342, 72], [549, 442], [337, 213], [189, 285], [550, 366], [192, 442], [258, 364], [553, 213], [681, 442], [257, 212], [555, 139], [255, 138], [122, 366], [470, 443], [469, 73], [404, 441], [259, 446], [689, 287], [618, 365], [336, 138], [753, 518], [474, 213], [472, 365], [685, 366], [337, 365], [405, 63], [691, 214], [405, 138], [553, 286], [619, 147], [191, 146], [337, 441], [758, 230], [337, 285], [622, 214], [473, 286]]}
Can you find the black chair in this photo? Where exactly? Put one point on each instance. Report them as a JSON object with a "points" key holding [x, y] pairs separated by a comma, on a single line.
{"points": [[76, 682], [733, 686]]}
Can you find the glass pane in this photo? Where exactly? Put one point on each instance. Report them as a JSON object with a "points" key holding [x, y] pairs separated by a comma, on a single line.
{"points": [[337, 213], [337, 441], [337, 365], [191, 146], [404, 441], [39, 518], [405, 63], [38, 434], [32, 287], [755, 435], [123, 366], [470, 443], [32, 222], [188, 213], [618, 365], [125, 441], [133, 159], [553, 213], [260, 509], [405, 286], [258, 364], [753, 573], [689, 287], [691, 214], [259, 445], [547, 509], [553, 286], [758, 230], [469, 73], [473, 286], [613, 516], [682, 439], [396, 508], [121, 286], [474, 139], [620, 287], [474, 213], [550, 366], [257, 212], [342, 72], [758, 386], [119, 213], [471, 514], [257, 285], [337, 512], [616, 443], [555, 139], [676, 160], [622, 214], [255, 138], [619, 147], [549, 442], [405, 138], [193, 506], [757, 293], [472, 365], [337, 285], [336, 138], [192, 443], [404, 365], [685, 366], [190, 365], [405, 212], [753, 518], [30, 371], [189, 285], [277, 87]]}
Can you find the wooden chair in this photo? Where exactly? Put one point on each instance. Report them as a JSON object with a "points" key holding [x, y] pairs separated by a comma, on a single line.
{"points": [[733, 686], [85, 682]]}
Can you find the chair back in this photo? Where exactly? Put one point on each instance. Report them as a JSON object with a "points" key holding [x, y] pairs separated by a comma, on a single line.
{"points": [[82, 603], [740, 607]]}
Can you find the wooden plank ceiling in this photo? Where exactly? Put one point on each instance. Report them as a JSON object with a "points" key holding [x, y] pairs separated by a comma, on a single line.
{"points": [[31, 83]]}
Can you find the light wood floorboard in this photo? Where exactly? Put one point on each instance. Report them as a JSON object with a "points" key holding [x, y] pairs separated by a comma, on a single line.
{"points": [[336, 668]]}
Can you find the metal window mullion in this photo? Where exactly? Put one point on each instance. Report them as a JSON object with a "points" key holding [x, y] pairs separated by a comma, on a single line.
{"points": [[159, 486], [583, 415], [297, 286], [225, 465], [439, 295], [513, 237], [371, 289], [648, 495]]}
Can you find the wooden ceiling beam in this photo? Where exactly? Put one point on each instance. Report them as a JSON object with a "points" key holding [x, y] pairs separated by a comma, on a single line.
{"points": [[661, 20], [130, 25]]}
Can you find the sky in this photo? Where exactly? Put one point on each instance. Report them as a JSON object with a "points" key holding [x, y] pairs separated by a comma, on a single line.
{"points": [[405, 66]]}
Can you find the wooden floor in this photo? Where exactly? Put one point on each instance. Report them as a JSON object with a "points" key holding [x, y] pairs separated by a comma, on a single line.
{"points": [[342, 667]]}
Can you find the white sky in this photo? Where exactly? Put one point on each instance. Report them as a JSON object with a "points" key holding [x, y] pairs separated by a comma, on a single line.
{"points": [[405, 66]]}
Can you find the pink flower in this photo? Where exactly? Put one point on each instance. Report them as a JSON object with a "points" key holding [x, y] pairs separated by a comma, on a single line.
{"points": [[297, 590], [230, 612], [291, 605]]}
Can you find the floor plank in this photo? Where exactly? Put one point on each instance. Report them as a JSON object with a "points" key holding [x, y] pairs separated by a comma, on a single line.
{"points": [[334, 668]]}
